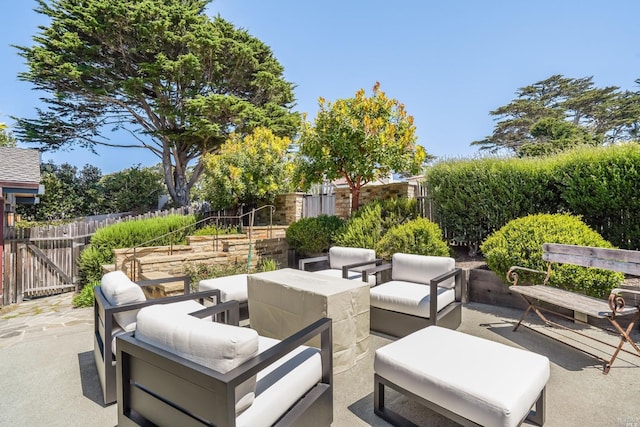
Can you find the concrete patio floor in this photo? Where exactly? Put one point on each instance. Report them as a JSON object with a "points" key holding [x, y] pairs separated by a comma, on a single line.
{"points": [[48, 377]]}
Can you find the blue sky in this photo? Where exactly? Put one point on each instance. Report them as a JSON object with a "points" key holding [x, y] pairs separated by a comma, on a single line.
{"points": [[449, 62]]}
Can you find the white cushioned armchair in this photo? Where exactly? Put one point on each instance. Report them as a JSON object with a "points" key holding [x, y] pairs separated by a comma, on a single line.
{"points": [[116, 304], [347, 263], [405, 303], [176, 370]]}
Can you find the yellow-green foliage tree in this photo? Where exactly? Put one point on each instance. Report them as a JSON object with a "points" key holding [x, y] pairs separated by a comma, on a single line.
{"points": [[360, 139], [255, 168], [6, 137]]}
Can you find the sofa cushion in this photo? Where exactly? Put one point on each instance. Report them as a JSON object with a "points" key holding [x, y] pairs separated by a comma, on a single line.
{"points": [[421, 268], [340, 256], [232, 288], [281, 384], [118, 289], [408, 297], [214, 345]]}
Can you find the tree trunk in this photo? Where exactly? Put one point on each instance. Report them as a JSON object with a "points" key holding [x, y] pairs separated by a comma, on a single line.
{"points": [[355, 199]]}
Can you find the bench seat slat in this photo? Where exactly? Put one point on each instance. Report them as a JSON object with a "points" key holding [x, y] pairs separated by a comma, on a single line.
{"points": [[570, 300]]}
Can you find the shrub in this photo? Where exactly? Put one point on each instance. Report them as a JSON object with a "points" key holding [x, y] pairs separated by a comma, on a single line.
{"points": [[313, 235], [171, 229], [520, 242], [419, 236], [199, 271], [212, 230], [373, 220], [84, 298]]}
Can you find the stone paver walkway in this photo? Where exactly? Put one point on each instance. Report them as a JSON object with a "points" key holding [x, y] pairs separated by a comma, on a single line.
{"points": [[50, 316]]}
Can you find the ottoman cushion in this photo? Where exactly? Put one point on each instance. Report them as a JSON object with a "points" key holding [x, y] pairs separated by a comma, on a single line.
{"points": [[481, 380]]}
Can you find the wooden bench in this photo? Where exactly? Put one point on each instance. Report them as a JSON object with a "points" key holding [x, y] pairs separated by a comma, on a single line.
{"points": [[620, 260]]}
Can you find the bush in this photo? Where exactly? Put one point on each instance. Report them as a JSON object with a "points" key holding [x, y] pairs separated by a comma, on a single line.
{"points": [[160, 231], [199, 271], [419, 236], [373, 220], [84, 298], [212, 230], [520, 243], [313, 235]]}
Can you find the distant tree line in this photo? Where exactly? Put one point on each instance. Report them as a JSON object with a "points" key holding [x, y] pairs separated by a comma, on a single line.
{"points": [[71, 192], [560, 113]]}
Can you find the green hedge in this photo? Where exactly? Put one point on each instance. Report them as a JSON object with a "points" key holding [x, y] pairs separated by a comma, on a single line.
{"points": [[313, 235], [419, 236], [520, 242], [130, 234], [473, 198]]}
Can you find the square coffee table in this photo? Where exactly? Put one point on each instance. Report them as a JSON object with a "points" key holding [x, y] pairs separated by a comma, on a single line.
{"points": [[284, 301]]}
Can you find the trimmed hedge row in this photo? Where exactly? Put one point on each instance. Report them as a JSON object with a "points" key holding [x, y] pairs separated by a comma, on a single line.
{"points": [[477, 197]]}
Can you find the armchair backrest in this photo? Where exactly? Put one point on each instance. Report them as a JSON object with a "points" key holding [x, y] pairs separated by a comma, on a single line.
{"points": [[118, 289], [421, 268], [340, 256], [217, 346]]}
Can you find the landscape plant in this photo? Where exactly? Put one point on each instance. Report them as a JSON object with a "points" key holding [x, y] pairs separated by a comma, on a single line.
{"points": [[419, 236], [360, 140], [519, 243], [313, 235]]}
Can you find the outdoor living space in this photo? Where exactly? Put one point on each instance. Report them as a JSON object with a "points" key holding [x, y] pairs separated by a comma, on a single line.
{"points": [[46, 355]]}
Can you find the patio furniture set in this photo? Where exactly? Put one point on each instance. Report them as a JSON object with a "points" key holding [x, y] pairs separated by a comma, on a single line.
{"points": [[185, 361]]}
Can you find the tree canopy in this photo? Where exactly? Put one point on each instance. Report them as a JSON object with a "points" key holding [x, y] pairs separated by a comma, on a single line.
{"points": [[360, 139], [255, 168], [560, 112], [6, 137], [178, 82]]}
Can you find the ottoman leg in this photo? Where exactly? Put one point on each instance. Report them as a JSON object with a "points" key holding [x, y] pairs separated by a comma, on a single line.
{"points": [[537, 417]]}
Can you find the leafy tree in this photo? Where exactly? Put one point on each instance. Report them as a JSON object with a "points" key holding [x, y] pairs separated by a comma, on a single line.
{"points": [[255, 168], [604, 115], [6, 137], [360, 139], [176, 80], [135, 189]]}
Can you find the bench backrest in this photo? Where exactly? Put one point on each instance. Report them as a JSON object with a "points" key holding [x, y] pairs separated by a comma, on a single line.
{"points": [[621, 260]]}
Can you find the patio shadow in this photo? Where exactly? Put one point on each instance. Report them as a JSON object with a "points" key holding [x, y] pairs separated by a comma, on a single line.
{"points": [[89, 378]]}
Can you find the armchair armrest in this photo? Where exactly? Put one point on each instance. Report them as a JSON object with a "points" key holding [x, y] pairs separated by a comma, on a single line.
{"points": [[512, 274], [375, 270], [304, 261], [229, 310], [433, 288], [347, 267]]}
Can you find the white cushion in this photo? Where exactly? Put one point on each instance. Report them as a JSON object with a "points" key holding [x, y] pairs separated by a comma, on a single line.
{"points": [[498, 387], [214, 345], [340, 256], [118, 289], [421, 268], [351, 275], [232, 288], [410, 298], [281, 384]]}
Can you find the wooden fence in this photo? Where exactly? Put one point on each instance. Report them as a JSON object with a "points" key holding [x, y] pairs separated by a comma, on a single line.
{"points": [[43, 261]]}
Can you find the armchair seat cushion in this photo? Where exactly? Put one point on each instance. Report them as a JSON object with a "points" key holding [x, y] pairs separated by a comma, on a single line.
{"points": [[281, 384], [409, 298], [232, 288], [217, 346]]}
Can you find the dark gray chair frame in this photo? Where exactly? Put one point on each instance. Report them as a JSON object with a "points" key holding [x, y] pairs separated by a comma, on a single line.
{"points": [[399, 324], [156, 387], [345, 268], [103, 323], [537, 416]]}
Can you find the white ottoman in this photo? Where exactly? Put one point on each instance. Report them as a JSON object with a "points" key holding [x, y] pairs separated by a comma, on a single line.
{"points": [[231, 287], [470, 380]]}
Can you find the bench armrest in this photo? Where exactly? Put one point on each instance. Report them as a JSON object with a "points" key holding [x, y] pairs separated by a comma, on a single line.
{"points": [[347, 267], [617, 302], [512, 274], [304, 261]]}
